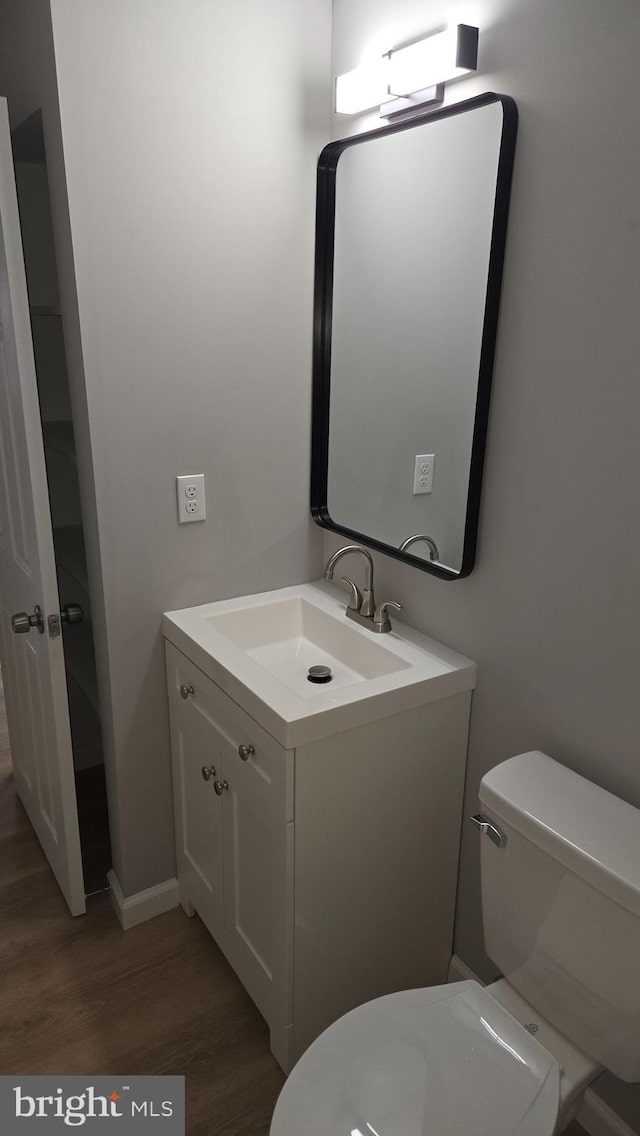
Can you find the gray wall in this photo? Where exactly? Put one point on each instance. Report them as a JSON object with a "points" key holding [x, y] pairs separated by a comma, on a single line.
{"points": [[190, 134], [551, 613]]}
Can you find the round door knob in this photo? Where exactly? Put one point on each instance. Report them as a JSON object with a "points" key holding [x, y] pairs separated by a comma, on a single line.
{"points": [[186, 690], [208, 771], [72, 613], [22, 622], [220, 787], [246, 752]]}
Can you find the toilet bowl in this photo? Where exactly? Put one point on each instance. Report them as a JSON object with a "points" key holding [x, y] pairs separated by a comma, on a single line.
{"points": [[561, 913], [441, 1061]]}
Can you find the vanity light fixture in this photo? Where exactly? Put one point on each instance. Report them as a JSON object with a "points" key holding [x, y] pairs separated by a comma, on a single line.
{"points": [[410, 77], [364, 87]]}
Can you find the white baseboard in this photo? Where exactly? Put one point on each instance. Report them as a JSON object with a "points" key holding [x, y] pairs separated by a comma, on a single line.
{"points": [[595, 1116], [134, 909]]}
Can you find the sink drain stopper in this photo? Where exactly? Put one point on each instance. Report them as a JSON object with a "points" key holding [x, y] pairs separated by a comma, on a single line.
{"points": [[319, 674]]}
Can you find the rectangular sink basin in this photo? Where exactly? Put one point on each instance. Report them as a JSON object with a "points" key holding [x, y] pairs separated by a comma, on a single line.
{"points": [[259, 649], [289, 636]]}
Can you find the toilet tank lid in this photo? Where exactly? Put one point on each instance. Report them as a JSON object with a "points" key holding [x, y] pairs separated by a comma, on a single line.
{"points": [[591, 832]]}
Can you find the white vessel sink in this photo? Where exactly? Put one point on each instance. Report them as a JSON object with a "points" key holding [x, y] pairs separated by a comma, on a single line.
{"points": [[259, 649]]}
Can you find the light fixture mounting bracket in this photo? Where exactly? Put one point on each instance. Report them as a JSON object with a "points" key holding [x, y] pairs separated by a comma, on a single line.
{"points": [[410, 104]]}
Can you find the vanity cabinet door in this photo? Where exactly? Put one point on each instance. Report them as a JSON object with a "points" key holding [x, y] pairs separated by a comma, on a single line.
{"points": [[257, 855], [234, 837], [258, 888], [196, 745]]}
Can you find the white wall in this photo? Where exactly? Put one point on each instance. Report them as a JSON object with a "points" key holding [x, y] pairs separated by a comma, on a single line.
{"points": [[190, 136], [551, 612]]}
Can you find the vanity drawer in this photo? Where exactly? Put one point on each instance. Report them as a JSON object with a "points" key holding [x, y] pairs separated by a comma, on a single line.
{"points": [[250, 759]]}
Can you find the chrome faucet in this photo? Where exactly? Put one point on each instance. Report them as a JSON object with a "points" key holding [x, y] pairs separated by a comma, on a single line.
{"points": [[433, 548], [362, 605]]}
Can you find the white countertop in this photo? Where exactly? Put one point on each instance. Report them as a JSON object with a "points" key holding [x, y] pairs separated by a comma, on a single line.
{"points": [[418, 670]]}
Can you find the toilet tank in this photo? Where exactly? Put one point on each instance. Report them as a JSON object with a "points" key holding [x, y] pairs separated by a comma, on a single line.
{"points": [[561, 903]]}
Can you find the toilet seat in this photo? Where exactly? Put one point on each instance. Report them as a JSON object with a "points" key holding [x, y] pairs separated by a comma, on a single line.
{"points": [[441, 1061]]}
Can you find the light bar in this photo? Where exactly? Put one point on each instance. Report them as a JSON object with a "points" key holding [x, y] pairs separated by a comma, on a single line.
{"points": [[363, 88], [433, 60], [411, 76]]}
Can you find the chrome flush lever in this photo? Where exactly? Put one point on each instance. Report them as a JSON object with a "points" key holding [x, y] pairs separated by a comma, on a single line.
{"points": [[490, 830]]}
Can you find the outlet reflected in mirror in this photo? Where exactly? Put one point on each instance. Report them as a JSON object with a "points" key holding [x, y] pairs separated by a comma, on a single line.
{"points": [[411, 227]]}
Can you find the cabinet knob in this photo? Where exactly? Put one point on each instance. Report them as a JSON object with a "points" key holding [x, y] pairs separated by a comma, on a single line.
{"points": [[246, 752], [220, 787], [186, 690], [209, 771]]}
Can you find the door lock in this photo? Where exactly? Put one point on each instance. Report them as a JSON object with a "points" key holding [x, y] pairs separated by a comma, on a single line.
{"points": [[22, 622], [70, 613]]}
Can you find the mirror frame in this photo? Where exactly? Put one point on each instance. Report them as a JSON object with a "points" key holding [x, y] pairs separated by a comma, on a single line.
{"points": [[322, 320]]}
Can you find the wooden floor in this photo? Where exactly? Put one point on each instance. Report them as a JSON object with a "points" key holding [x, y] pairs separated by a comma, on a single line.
{"points": [[81, 996]]}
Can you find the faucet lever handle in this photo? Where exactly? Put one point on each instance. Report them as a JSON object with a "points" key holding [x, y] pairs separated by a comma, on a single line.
{"points": [[355, 599], [381, 621]]}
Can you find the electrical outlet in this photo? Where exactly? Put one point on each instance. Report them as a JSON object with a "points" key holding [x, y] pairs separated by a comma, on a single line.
{"points": [[423, 473], [190, 497]]}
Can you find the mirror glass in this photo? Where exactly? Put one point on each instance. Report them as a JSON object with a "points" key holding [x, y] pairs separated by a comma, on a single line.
{"points": [[410, 240]]}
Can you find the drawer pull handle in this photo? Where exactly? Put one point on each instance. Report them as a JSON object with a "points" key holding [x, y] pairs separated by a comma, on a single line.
{"points": [[220, 787], [246, 752], [208, 771], [186, 690]]}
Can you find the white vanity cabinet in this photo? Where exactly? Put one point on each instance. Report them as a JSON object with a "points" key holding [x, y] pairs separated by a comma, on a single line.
{"points": [[234, 836], [325, 872]]}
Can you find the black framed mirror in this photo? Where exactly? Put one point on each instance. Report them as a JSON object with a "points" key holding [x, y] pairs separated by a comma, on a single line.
{"points": [[410, 232]]}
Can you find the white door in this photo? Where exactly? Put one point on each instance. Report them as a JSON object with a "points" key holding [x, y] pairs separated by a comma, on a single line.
{"points": [[32, 662]]}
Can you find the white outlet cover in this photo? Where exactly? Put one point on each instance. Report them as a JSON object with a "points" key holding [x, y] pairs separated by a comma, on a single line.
{"points": [[190, 498], [423, 473]]}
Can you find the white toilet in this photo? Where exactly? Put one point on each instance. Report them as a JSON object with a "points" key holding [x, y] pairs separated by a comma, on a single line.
{"points": [[561, 910]]}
